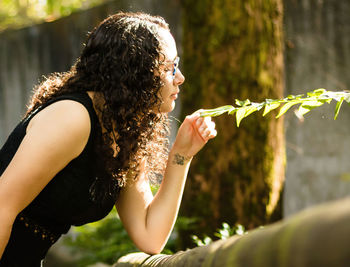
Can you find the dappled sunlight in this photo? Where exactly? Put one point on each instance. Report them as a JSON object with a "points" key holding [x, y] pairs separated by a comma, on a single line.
{"points": [[21, 13]]}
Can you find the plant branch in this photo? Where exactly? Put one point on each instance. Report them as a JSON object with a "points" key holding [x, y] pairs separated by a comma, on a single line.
{"points": [[306, 103]]}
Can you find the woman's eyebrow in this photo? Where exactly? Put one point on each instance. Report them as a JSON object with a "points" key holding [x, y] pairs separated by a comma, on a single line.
{"points": [[172, 61]]}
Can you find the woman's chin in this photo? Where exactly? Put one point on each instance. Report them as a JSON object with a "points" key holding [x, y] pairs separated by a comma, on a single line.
{"points": [[166, 108]]}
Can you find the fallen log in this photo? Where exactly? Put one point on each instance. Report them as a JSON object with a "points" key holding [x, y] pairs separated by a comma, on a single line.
{"points": [[316, 237]]}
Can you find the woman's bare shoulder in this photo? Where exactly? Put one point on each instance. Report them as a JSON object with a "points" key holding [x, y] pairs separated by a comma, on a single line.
{"points": [[65, 122]]}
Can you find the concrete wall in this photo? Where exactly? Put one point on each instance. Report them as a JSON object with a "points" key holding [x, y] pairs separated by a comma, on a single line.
{"points": [[317, 56]]}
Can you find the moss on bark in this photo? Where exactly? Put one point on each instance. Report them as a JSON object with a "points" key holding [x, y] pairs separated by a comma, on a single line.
{"points": [[233, 49]]}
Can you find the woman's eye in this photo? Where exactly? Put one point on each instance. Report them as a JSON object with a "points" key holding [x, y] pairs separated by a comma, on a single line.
{"points": [[168, 69]]}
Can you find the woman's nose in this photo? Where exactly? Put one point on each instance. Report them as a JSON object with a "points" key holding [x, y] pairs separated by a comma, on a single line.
{"points": [[179, 78]]}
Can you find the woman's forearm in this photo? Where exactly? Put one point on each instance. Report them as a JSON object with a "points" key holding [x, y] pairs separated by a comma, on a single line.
{"points": [[5, 231], [163, 210], [192, 135]]}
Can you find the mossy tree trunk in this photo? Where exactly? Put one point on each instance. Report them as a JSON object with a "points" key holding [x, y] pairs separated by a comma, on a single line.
{"points": [[233, 49]]}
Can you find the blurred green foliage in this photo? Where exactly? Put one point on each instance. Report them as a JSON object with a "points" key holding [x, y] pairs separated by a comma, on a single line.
{"points": [[20, 13], [106, 240], [103, 241], [223, 233]]}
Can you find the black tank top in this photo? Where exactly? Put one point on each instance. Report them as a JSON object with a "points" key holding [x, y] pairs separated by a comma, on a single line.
{"points": [[66, 200]]}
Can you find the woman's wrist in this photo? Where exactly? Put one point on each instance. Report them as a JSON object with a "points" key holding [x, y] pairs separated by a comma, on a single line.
{"points": [[178, 157]]}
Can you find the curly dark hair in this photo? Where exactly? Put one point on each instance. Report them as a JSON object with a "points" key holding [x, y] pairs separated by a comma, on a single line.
{"points": [[119, 63]]}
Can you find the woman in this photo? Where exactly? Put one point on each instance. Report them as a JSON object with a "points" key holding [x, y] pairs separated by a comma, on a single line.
{"points": [[94, 137]]}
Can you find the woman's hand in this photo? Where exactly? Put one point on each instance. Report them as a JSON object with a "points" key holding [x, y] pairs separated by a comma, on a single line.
{"points": [[193, 134]]}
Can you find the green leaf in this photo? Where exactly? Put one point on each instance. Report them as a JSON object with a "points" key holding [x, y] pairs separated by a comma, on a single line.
{"points": [[249, 110], [258, 106], [347, 97], [328, 100], [231, 112], [293, 97], [317, 92], [337, 108], [309, 105], [335, 95], [216, 111], [243, 112], [240, 115], [303, 110], [270, 106], [242, 103], [285, 108]]}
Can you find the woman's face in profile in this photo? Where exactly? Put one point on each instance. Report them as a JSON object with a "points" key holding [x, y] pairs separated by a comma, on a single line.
{"points": [[170, 74]]}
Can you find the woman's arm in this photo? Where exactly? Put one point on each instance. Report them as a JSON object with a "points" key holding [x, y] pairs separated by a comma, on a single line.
{"points": [[54, 137], [149, 220]]}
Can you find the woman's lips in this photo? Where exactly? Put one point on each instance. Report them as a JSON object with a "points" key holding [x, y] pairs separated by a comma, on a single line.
{"points": [[174, 96]]}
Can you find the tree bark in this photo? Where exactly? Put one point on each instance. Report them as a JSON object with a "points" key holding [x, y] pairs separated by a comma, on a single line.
{"points": [[233, 50], [318, 237]]}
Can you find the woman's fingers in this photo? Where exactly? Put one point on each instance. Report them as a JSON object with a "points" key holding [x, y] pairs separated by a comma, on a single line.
{"points": [[206, 128]]}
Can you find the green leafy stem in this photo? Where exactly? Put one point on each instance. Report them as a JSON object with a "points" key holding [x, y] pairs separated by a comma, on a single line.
{"points": [[306, 103]]}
